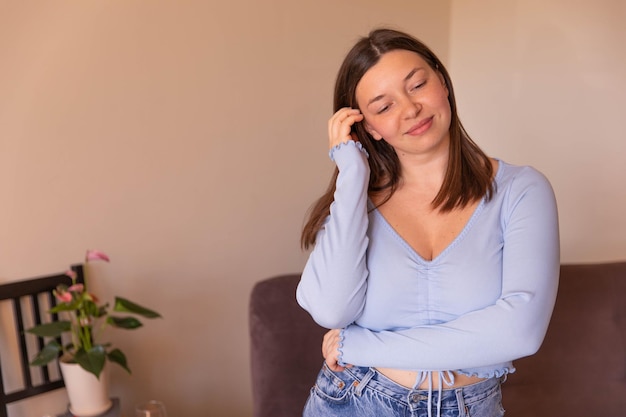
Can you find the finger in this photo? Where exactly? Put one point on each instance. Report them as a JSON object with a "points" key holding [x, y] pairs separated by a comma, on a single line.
{"points": [[340, 125], [344, 112], [328, 347], [341, 133], [327, 343], [343, 118], [334, 366]]}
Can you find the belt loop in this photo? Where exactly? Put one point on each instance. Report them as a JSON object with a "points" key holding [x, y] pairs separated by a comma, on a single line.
{"points": [[359, 386], [460, 400]]}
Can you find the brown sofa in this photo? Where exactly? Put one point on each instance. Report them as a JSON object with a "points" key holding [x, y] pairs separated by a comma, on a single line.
{"points": [[580, 370]]}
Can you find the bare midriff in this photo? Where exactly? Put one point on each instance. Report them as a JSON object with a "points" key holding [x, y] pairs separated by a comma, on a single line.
{"points": [[408, 379]]}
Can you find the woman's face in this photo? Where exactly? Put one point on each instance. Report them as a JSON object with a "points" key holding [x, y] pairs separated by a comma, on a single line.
{"points": [[405, 102]]}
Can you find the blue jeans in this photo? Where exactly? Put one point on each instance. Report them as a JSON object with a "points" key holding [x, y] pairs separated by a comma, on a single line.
{"points": [[362, 391]]}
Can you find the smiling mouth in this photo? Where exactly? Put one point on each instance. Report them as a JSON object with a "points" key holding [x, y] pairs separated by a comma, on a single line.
{"points": [[421, 127]]}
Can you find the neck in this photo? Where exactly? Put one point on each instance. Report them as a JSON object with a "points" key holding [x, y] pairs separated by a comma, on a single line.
{"points": [[423, 172]]}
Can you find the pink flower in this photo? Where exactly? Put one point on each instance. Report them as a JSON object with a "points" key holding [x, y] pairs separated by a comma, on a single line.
{"points": [[72, 274], [63, 296], [76, 288], [94, 255]]}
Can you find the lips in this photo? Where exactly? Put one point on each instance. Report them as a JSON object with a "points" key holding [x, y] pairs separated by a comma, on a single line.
{"points": [[420, 127]]}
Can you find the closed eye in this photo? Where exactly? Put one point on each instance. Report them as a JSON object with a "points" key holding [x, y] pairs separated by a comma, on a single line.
{"points": [[383, 109], [418, 86]]}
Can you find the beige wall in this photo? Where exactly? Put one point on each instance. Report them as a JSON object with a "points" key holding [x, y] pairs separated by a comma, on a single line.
{"points": [[544, 83], [186, 139]]}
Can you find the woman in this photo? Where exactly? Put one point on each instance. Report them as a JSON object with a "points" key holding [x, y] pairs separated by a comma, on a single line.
{"points": [[434, 265]]}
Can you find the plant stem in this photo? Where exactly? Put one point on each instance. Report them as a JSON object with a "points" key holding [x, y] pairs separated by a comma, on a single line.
{"points": [[84, 330]]}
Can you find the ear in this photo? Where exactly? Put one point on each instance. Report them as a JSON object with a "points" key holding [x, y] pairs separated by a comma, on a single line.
{"points": [[372, 132]]}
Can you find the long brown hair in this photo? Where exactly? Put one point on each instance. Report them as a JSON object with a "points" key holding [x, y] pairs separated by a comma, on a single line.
{"points": [[469, 173]]}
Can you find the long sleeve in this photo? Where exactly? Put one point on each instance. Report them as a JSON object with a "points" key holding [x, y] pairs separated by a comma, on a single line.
{"points": [[334, 281], [513, 326]]}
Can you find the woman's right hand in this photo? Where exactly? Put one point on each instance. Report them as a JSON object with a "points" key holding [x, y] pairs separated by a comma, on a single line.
{"points": [[340, 125]]}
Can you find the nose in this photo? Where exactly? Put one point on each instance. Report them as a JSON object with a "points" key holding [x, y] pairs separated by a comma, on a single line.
{"points": [[411, 107]]}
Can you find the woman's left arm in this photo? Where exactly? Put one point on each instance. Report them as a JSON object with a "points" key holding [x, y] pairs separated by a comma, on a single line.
{"points": [[513, 327]]}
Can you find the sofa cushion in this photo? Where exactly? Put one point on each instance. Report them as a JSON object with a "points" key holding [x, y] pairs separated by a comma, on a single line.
{"points": [[286, 348], [580, 370]]}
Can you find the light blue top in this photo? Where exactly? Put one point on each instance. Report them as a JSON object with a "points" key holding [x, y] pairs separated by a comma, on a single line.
{"points": [[485, 301]]}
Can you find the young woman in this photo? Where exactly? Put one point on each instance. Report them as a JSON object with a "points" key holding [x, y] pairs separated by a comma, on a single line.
{"points": [[433, 265]]}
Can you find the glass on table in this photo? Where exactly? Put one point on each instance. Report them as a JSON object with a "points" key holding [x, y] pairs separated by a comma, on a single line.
{"points": [[151, 408]]}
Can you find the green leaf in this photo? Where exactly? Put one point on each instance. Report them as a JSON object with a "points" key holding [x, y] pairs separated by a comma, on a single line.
{"points": [[91, 361], [118, 357], [53, 329], [102, 310], [47, 354], [65, 307], [124, 322], [90, 308], [123, 305]]}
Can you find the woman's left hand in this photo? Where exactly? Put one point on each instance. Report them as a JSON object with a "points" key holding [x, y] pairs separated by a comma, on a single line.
{"points": [[330, 349]]}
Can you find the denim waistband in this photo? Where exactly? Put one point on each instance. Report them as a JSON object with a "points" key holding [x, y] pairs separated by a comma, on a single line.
{"points": [[366, 377]]}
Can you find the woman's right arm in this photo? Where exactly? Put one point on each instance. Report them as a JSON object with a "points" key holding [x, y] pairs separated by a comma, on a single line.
{"points": [[334, 281]]}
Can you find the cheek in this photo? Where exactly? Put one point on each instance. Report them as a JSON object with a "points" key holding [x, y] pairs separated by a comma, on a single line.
{"points": [[444, 99], [448, 111], [444, 105], [383, 126]]}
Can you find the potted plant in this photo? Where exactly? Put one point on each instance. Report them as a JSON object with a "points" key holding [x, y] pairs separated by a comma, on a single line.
{"points": [[84, 318]]}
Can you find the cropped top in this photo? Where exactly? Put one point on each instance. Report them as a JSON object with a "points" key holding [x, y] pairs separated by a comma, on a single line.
{"points": [[485, 301]]}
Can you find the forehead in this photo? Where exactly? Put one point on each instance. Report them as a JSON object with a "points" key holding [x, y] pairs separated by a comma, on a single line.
{"points": [[392, 68]]}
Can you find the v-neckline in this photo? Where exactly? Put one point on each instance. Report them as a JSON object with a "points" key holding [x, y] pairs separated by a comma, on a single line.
{"points": [[464, 231], [447, 248]]}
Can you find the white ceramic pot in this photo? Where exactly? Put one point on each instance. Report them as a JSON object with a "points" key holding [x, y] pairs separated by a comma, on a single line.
{"points": [[89, 396]]}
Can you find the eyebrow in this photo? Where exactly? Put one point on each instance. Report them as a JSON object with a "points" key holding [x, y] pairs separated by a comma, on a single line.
{"points": [[407, 78]]}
